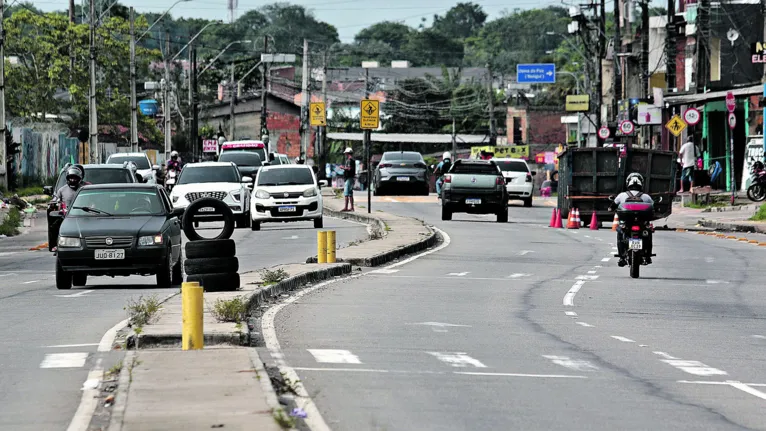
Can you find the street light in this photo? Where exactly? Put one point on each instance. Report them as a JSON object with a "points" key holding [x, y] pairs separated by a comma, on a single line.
{"points": [[221, 53], [160, 19]]}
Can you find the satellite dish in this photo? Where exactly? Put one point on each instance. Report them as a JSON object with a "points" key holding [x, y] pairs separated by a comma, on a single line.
{"points": [[732, 35]]}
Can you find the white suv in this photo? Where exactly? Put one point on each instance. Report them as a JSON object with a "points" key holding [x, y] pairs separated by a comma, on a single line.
{"points": [[518, 179], [144, 166], [219, 180], [286, 193]]}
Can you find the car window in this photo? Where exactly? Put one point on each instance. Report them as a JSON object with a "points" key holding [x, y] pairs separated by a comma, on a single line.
{"points": [[474, 168], [142, 163], [261, 152], [512, 166], [241, 158], [116, 202], [285, 176], [101, 176], [166, 200], [208, 174]]}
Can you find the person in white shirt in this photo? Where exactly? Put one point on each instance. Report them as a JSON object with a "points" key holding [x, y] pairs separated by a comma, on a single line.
{"points": [[688, 160]]}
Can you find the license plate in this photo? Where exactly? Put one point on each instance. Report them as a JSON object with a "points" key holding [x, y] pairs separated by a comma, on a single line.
{"points": [[207, 210], [473, 201], [110, 254], [402, 178], [287, 209], [635, 244]]}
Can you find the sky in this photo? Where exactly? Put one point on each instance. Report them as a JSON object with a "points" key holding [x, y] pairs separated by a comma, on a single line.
{"points": [[348, 16]]}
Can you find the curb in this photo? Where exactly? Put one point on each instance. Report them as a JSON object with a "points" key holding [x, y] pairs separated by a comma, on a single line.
{"points": [[733, 227], [265, 381], [733, 237], [121, 396]]}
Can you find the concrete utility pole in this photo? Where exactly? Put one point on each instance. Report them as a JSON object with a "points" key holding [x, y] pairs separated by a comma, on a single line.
{"points": [[166, 97], [322, 139], [232, 97], [4, 175], [601, 55], [95, 156], [305, 129], [670, 48], [194, 129], [703, 28], [492, 130], [617, 75], [368, 143], [264, 80], [645, 48], [133, 102]]}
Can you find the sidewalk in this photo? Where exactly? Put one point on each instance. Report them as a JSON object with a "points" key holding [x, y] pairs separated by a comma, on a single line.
{"points": [[734, 219]]}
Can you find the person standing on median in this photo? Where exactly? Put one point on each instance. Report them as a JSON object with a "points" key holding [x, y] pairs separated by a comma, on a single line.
{"points": [[688, 157], [349, 174]]}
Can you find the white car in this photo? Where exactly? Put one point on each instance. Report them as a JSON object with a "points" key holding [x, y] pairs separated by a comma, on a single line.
{"points": [[219, 180], [518, 179], [144, 166], [284, 193]]}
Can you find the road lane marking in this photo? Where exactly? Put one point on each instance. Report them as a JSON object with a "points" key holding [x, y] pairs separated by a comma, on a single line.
{"points": [[334, 356], [440, 324], [8, 275], [623, 339], [64, 346], [89, 401], [30, 282], [709, 260], [519, 275], [586, 277], [570, 313], [591, 272], [746, 388], [716, 282], [760, 337], [8, 253], [554, 376], [606, 259], [664, 355], [572, 364], [384, 271], [64, 360], [291, 237], [584, 324], [355, 370], [694, 367], [457, 359], [525, 252], [75, 295], [569, 297], [459, 274]]}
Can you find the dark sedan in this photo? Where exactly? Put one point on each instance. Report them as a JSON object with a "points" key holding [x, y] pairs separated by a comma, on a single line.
{"points": [[401, 170], [120, 230], [248, 163]]}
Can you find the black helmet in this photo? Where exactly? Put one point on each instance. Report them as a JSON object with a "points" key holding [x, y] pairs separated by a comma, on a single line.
{"points": [[635, 182], [73, 177]]}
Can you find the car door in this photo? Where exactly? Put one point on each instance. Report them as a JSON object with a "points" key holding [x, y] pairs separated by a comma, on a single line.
{"points": [[174, 226]]}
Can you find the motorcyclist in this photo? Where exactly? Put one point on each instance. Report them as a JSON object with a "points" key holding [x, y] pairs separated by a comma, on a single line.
{"points": [[635, 185], [65, 196], [441, 169], [174, 163]]}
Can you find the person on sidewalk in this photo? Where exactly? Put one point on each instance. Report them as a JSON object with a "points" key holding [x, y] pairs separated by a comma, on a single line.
{"points": [[349, 175], [688, 157]]}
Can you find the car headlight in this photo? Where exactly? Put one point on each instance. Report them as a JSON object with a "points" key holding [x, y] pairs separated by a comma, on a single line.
{"points": [[69, 242], [236, 195], [150, 240], [262, 194], [310, 193]]}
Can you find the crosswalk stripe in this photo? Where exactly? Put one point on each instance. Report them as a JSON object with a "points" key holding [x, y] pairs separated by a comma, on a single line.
{"points": [[334, 356], [64, 360]]}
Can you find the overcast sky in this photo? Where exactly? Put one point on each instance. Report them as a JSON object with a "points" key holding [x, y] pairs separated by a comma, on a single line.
{"points": [[348, 16]]}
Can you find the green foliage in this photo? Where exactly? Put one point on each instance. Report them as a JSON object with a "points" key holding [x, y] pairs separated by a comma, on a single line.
{"points": [[760, 215], [230, 310], [10, 226]]}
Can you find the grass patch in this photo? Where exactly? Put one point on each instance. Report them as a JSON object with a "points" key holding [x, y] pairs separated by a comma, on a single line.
{"points": [[230, 310], [388, 228], [270, 277], [29, 191], [141, 311], [703, 206], [759, 215], [283, 420], [10, 226], [37, 201], [115, 370]]}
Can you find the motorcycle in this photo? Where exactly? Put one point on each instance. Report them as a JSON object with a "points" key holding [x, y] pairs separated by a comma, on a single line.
{"points": [[756, 192], [635, 220], [170, 180]]}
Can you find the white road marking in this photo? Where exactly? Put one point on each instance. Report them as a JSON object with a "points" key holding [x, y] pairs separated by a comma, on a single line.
{"points": [[457, 359], [591, 272], [525, 252], [694, 367], [440, 324], [519, 275], [89, 401], [334, 356], [716, 282], [623, 339], [64, 346], [586, 277], [30, 282], [291, 237], [459, 274], [356, 370], [8, 253], [384, 271], [569, 297], [570, 313], [584, 324], [664, 355], [761, 337], [554, 376], [64, 360], [709, 260], [75, 295], [572, 364], [7, 275], [746, 388], [606, 259]]}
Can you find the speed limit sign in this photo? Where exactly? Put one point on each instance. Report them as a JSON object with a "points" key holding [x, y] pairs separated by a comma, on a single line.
{"points": [[692, 116], [604, 132], [627, 127]]}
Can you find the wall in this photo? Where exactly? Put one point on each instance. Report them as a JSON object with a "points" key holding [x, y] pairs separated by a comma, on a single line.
{"points": [[284, 131], [45, 149], [537, 127]]}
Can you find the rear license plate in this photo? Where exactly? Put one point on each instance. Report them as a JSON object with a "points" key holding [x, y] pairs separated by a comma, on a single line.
{"points": [[110, 254], [207, 210], [473, 201], [635, 244], [287, 209], [402, 178]]}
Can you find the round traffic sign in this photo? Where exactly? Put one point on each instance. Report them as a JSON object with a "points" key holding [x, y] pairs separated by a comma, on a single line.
{"points": [[604, 132], [627, 127], [732, 120], [692, 116], [731, 103]]}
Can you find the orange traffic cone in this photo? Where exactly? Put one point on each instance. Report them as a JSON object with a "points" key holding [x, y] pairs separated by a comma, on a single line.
{"points": [[577, 218], [616, 222], [594, 222], [557, 223], [572, 220], [553, 219]]}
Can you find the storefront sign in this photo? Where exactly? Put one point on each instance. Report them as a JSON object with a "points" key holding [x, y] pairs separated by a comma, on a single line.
{"points": [[649, 115], [758, 52], [754, 150], [578, 103], [210, 146]]}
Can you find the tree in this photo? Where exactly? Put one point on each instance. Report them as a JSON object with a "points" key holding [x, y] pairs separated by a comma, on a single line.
{"points": [[291, 24], [394, 34], [431, 48], [462, 21]]}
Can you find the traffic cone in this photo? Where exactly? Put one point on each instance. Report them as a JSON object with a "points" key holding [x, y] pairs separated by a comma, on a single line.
{"points": [[571, 221], [594, 222], [557, 224], [553, 219], [577, 218], [616, 222]]}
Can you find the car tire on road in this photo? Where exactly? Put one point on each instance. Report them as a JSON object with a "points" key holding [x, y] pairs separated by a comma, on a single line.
{"points": [[255, 225], [220, 207], [446, 213], [243, 221], [528, 202], [211, 265], [318, 223], [63, 278], [217, 282], [211, 248], [164, 276], [177, 274], [79, 279], [502, 216]]}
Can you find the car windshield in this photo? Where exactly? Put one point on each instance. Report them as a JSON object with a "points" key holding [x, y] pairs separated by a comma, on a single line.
{"points": [[474, 168], [404, 157], [261, 152], [241, 158], [116, 202], [141, 162], [512, 166], [285, 177], [208, 174], [101, 176]]}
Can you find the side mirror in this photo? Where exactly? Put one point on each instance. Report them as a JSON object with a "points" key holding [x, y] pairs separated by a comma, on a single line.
{"points": [[247, 180], [533, 173], [140, 178], [48, 190], [323, 183], [508, 180], [155, 167]]}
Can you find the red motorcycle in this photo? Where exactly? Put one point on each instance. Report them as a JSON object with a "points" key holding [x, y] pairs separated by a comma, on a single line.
{"points": [[635, 220]]}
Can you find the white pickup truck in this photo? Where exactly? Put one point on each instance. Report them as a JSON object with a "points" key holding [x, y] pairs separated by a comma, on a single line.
{"points": [[475, 187]]}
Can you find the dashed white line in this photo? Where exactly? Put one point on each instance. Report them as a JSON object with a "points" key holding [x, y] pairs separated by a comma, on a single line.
{"points": [[554, 376], [30, 282], [760, 337], [694, 367], [525, 252], [570, 313], [606, 259], [572, 364], [745, 388], [664, 355], [519, 275], [64, 346], [591, 272], [64, 360], [586, 277], [457, 359], [569, 297], [334, 356], [384, 271], [716, 282], [75, 295], [459, 274], [584, 324], [623, 339]]}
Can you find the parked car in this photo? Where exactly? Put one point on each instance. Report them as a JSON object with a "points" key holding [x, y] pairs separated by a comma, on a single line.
{"points": [[518, 179], [279, 159], [247, 163], [120, 230], [475, 187], [401, 170], [286, 193], [144, 166], [257, 147], [219, 180]]}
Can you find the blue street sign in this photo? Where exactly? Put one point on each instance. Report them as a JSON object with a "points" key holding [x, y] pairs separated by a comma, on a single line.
{"points": [[544, 73]]}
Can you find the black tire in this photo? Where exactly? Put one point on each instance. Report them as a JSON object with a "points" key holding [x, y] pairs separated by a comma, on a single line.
{"points": [[426, 191], [220, 209], [211, 248], [243, 221], [177, 274], [635, 267], [63, 278], [446, 213], [79, 279], [255, 225], [211, 265], [164, 276], [318, 223], [502, 216], [219, 282], [528, 203]]}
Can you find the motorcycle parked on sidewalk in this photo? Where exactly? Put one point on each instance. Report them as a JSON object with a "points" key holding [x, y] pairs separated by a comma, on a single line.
{"points": [[635, 220], [756, 192]]}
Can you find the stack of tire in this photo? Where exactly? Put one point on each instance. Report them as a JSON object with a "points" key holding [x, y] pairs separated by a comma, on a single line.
{"points": [[211, 262]]}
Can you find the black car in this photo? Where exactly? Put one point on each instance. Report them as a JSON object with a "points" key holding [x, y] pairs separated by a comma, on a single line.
{"points": [[120, 230], [248, 163], [94, 174], [401, 170]]}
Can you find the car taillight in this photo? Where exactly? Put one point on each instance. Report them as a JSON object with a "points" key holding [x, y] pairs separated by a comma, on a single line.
{"points": [[635, 228], [500, 181], [420, 165], [529, 178], [448, 178], [386, 165]]}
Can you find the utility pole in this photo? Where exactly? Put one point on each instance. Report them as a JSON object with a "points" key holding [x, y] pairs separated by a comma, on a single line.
{"points": [[194, 129], [368, 143], [454, 139], [703, 27], [617, 78], [670, 47], [94, 150], [601, 54], [232, 96], [645, 48], [264, 78], [4, 175], [305, 129], [492, 130], [322, 147], [133, 102], [166, 96]]}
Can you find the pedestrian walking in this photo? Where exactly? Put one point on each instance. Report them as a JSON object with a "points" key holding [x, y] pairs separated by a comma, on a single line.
{"points": [[688, 158], [349, 176]]}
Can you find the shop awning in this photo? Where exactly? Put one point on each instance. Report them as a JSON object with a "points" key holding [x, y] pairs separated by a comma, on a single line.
{"points": [[687, 99]]}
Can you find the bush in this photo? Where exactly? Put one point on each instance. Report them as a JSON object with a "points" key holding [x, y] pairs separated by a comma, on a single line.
{"points": [[10, 226], [30, 191], [230, 310], [760, 215]]}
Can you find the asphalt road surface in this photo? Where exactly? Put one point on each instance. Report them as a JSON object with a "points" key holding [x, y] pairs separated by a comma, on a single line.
{"points": [[50, 338], [518, 326]]}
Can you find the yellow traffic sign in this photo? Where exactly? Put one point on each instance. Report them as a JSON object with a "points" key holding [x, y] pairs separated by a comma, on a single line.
{"points": [[317, 114], [369, 118], [676, 125]]}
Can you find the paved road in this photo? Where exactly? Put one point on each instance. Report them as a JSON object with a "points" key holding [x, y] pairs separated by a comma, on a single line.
{"points": [[50, 338], [478, 336]]}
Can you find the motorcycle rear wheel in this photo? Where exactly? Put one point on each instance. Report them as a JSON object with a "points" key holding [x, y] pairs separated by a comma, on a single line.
{"points": [[756, 192], [635, 266]]}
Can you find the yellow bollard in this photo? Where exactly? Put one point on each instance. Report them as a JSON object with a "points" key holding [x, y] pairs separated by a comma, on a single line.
{"points": [[322, 247], [192, 337], [330, 246]]}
